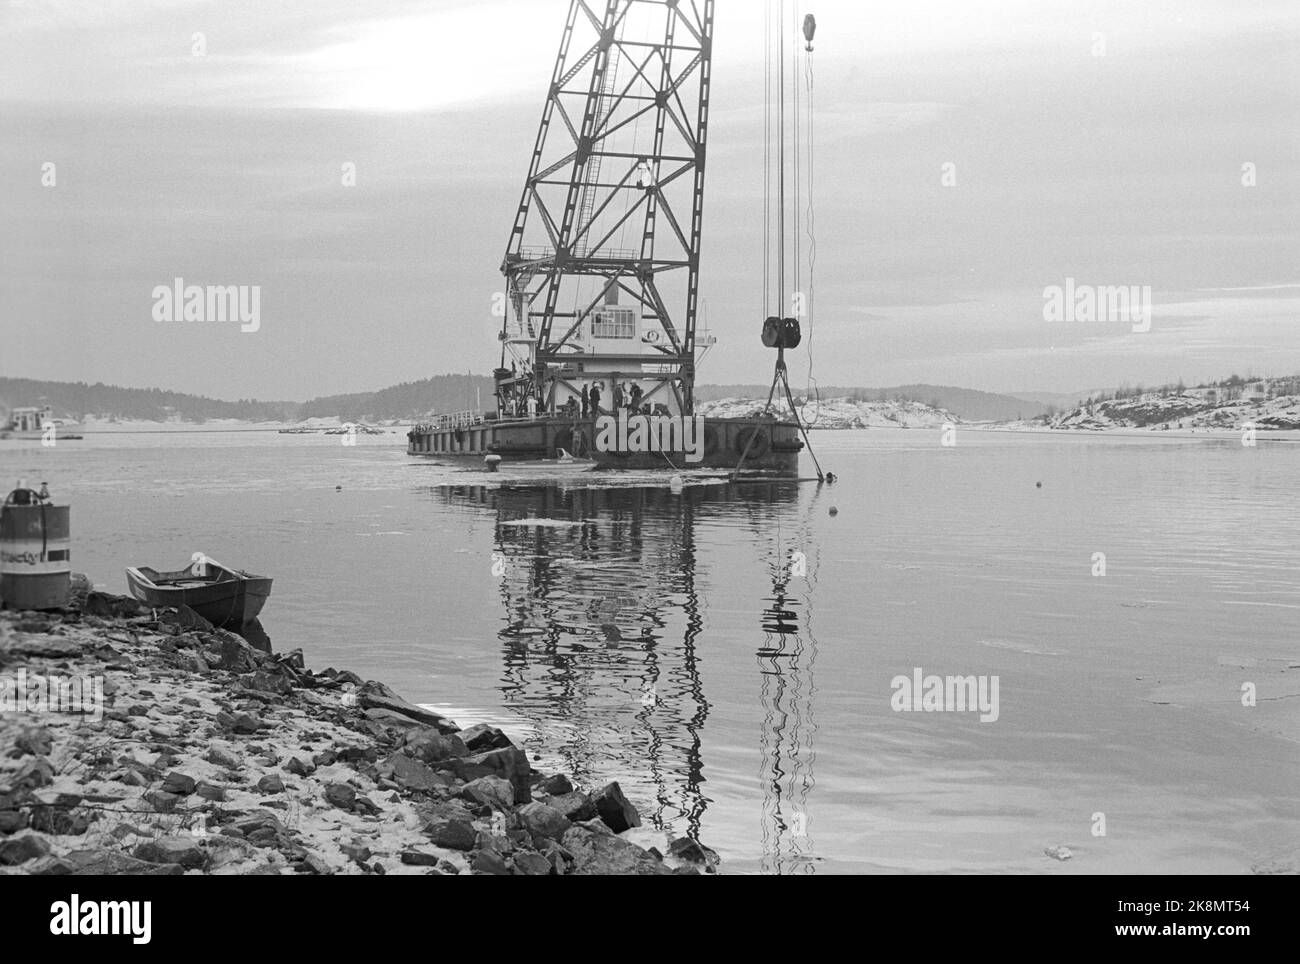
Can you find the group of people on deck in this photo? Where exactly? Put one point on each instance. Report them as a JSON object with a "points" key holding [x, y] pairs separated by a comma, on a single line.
{"points": [[627, 396]]}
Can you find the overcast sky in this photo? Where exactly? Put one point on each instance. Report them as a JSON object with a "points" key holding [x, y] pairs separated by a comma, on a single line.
{"points": [[224, 168]]}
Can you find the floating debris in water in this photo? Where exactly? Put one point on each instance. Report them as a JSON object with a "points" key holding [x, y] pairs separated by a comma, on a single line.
{"points": [[834, 511], [1018, 647], [1058, 853]]}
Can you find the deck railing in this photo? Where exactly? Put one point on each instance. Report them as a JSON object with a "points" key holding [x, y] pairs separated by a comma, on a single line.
{"points": [[450, 420]]}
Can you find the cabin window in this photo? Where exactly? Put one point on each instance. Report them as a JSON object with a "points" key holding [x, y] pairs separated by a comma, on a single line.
{"points": [[613, 325]]}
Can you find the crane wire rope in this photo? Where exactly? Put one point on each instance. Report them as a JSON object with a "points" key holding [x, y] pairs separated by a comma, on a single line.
{"points": [[811, 386], [767, 161]]}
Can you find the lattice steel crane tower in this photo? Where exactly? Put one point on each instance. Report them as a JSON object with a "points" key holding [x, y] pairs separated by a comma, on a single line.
{"points": [[602, 267]]}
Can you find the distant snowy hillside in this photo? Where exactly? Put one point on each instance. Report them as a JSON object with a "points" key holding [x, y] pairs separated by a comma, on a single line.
{"points": [[1267, 404], [839, 413]]}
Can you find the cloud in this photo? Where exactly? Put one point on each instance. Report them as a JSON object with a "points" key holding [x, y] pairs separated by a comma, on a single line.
{"points": [[1115, 170]]}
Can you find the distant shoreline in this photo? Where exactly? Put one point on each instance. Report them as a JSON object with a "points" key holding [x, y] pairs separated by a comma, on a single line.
{"points": [[226, 427]]}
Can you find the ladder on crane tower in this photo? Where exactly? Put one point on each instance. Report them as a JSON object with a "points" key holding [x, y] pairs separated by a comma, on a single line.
{"points": [[520, 299], [587, 203]]}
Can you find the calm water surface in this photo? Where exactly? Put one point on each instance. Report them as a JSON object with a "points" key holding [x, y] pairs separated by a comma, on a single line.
{"points": [[626, 632]]}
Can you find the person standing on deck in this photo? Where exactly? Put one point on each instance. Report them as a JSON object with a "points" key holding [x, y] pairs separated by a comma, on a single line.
{"points": [[636, 394], [586, 401], [595, 400], [618, 397]]}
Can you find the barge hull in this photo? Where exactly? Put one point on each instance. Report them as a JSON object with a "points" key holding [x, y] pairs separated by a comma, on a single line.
{"points": [[775, 447]]}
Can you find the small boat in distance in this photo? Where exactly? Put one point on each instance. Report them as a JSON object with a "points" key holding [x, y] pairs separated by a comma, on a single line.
{"points": [[37, 423], [228, 598], [565, 464]]}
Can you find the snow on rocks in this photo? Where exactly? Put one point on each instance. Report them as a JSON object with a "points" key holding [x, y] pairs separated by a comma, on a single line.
{"points": [[208, 756]]}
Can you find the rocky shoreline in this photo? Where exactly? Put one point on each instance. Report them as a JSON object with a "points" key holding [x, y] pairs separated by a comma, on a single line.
{"points": [[206, 755]]}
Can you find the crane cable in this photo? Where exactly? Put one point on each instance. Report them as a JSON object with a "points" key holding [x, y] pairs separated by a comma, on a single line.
{"points": [[780, 168], [811, 384], [794, 76], [767, 162]]}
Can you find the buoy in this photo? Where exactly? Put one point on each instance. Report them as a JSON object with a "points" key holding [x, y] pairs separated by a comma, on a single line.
{"points": [[834, 511], [830, 478], [35, 540], [338, 488], [492, 462], [675, 482], [1039, 485]]}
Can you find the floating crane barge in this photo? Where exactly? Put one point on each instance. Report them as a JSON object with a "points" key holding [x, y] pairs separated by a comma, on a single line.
{"points": [[598, 318]]}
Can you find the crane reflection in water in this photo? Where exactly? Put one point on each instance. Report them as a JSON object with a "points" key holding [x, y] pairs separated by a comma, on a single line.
{"points": [[605, 632], [786, 661]]}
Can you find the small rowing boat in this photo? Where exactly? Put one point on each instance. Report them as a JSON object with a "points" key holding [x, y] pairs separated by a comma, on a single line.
{"points": [[225, 597], [566, 464]]}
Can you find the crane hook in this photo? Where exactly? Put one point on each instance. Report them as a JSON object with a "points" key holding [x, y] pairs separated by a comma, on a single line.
{"points": [[809, 28]]}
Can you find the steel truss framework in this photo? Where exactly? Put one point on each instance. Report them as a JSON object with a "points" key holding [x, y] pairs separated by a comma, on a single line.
{"points": [[586, 188]]}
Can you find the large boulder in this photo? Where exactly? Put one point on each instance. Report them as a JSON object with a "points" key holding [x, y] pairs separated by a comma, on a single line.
{"points": [[532, 865], [449, 824], [601, 853], [419, 858], [389, 720], [299, 766], [179, 783], [575, 806], [493, 792], [268, 681], [257, 638], [489, 862], [222, 758], [484, 737], [372, 695], [509, 763], [224, 650], [11, 821], [19, 850], [172, 850], [410, 774], [341, 795], [556, 786], [429, 745], [453, 834], [543, 821], [615, 809], [684, 848]]}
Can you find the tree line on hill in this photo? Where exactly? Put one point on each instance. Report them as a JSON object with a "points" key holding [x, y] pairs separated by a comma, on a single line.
{"points": [[459, 392], [78, 400]]}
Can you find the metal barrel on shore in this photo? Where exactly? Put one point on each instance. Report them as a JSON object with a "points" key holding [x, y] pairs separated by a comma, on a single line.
{"points": [[35, 551]]}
